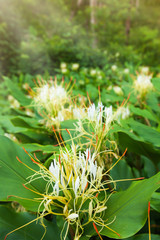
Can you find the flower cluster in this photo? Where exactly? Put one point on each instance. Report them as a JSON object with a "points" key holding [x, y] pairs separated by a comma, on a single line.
{"points": [[73, 183], [13, 102], [53, 102], [94, 127], [143, 84]]}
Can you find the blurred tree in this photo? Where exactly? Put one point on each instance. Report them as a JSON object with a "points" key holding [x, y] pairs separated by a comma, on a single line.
{"points": [[36, 35]]}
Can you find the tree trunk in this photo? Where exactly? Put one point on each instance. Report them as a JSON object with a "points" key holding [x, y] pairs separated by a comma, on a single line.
{"points": [[93, 4], [137, 4], [128, 22], [79, 2]]}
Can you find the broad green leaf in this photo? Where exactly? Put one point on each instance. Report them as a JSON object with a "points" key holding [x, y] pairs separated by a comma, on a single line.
{"points": [[155, 201], [111, 98], [156, 83], [147, 133], [17, 93], [14, 174], [122, 171], [10, 220], [127, 210], [69, 125], [32, 147], [143, 113], [152, 102], [148, 168], [127, 139], [92, 91], [5, 122], [144, 236], [32, 136], [26, 122]]}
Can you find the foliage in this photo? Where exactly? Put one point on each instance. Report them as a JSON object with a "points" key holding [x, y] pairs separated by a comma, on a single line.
{"points": [[33, 36], [106, 129]]}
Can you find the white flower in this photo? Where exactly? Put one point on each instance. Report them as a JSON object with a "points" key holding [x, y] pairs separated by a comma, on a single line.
{"points": [[145, 70], [25, 86], [55, 170], [78, 113], [43, 94], [143, 84], [118, 90], [11, 98], [63, 65], [117, 54], [64, 70], [93, 72], [11, 136], [122, 113], [76, 184], [108, 111], [29, 113], [114, 68], [75, 66], [13, 102], [72, 216], [51, 97], [100, 112], [126, 71], [109, 88], [91, 112]]}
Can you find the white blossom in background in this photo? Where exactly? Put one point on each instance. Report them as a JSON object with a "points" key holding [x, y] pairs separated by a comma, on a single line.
{"points": [[143, 84], [25, 86], [118, 90], [110, 88], [75, 66], [11, 136], [93, 72], [79, 113], [63, 65], [126, 71], [64, 70], [109, 116], [144, 70], [117, 54], [13, 102], [29, 112], [51, 97], [122, 113], [114, 68]]}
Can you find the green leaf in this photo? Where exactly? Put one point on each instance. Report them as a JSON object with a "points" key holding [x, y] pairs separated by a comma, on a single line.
{"points": [[156, 83], [122, 171], [17, 93], [32, 147], [9, 221], [6, 123], [144, 237], [14, 174], [127, 210], [92, 91], [147, 133], [27, 122], [149, 168], [69, 125], [155, 201], [143, 113], [127, 139]]}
